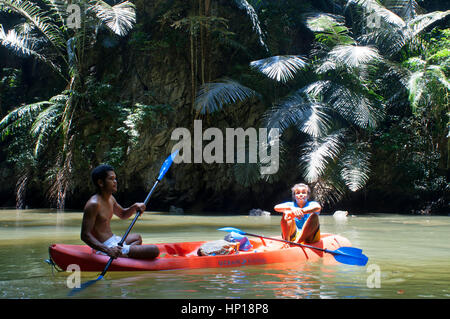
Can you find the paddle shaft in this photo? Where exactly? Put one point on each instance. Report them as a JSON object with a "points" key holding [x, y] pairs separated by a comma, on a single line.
{"points": [[124, 237], [291, 242]]}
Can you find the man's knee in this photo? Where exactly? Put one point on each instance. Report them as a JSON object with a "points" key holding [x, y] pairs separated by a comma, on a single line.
{"points": [[144, 251], [134, 239], [154, 251]]}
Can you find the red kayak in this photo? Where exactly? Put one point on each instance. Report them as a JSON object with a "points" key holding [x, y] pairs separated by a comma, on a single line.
{"points": [[183, 255]]}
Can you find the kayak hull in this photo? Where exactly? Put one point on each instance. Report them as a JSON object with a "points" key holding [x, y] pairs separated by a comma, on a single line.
{"points": [[183, 255]]}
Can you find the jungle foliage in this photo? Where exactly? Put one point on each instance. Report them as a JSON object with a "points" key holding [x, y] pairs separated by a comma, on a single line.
{"points": [[358, 88]]}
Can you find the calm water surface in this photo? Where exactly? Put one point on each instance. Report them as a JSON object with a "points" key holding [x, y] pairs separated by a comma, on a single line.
{"points": [[409, 257]]}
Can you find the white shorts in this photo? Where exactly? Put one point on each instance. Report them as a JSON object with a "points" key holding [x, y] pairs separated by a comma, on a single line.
{"points": [[113, 242]]}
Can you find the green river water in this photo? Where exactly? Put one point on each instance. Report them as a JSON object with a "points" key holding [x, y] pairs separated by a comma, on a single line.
{"points": [[409, 257]]}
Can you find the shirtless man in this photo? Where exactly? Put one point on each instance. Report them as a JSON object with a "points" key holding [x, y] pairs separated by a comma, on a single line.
{"points": [[98, 211]]}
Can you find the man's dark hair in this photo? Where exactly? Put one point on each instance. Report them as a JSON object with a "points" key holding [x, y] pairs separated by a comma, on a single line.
{"points": [[100, 172]]}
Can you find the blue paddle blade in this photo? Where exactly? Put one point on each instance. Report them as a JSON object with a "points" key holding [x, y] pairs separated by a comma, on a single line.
{"points": [[232, 229], [74, 291], [350, 256], [166, 165], [350, 250]]}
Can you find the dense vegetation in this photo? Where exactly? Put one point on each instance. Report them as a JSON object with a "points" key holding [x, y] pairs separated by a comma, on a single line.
{"points": [[358, 89]]}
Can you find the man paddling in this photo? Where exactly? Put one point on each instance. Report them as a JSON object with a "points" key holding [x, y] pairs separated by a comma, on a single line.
{"points": [[98, 212], [300, 221]]}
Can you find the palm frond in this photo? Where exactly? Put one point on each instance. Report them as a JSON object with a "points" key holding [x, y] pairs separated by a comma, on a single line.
{"points": [[45, 125], [318, 153], [318, 121], [355, 168], [421, 22], [421, 88], [355, 56], [18, 43], [33, 13], [243, 4], [376, 10], [215, 95], [119, 18], [323, 22], [20, 117], [280, 68], [309, 117], [24, 45], [326, 66], [58, 7], [330, 29], [388, 41], [353, 106], [407, 9]]}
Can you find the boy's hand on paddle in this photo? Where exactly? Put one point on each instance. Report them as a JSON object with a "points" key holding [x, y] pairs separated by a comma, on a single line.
{"points": [[114, 252], [140, 206]]}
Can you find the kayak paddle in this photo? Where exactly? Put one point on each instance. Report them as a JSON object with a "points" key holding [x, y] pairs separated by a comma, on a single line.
{"points": [[165, 167], [345, 255]]}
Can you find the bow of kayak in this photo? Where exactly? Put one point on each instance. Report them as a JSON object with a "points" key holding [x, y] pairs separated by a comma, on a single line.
{"points": [[183, 255]]}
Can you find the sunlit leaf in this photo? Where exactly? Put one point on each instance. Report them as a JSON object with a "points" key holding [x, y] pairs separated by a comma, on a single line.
{"points": [[318, 153], [355, 168], [213, 96], [119, 18], [280, 68]]}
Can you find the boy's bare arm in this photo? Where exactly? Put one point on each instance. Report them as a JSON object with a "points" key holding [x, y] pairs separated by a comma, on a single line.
{"points": [[124, 213]]}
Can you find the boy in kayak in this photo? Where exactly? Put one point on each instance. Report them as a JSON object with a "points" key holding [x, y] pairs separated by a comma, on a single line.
{"points": [[98, 212], [300, 221]]}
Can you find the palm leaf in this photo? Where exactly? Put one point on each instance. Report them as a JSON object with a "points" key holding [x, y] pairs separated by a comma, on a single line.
{"points": [[280, 68], [22, 45], [355, 107], [329, 28], [425, 83], [352, 105], [18, 43], [20, 117], [407, 9], [58, 8], [421, 22], [318, 153], [45, 125], [243, 4], [33, 13], [355, 168], [415, 89], [355, 56], [309, 117], [215, 95], [374, 9], [119, 18]]}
